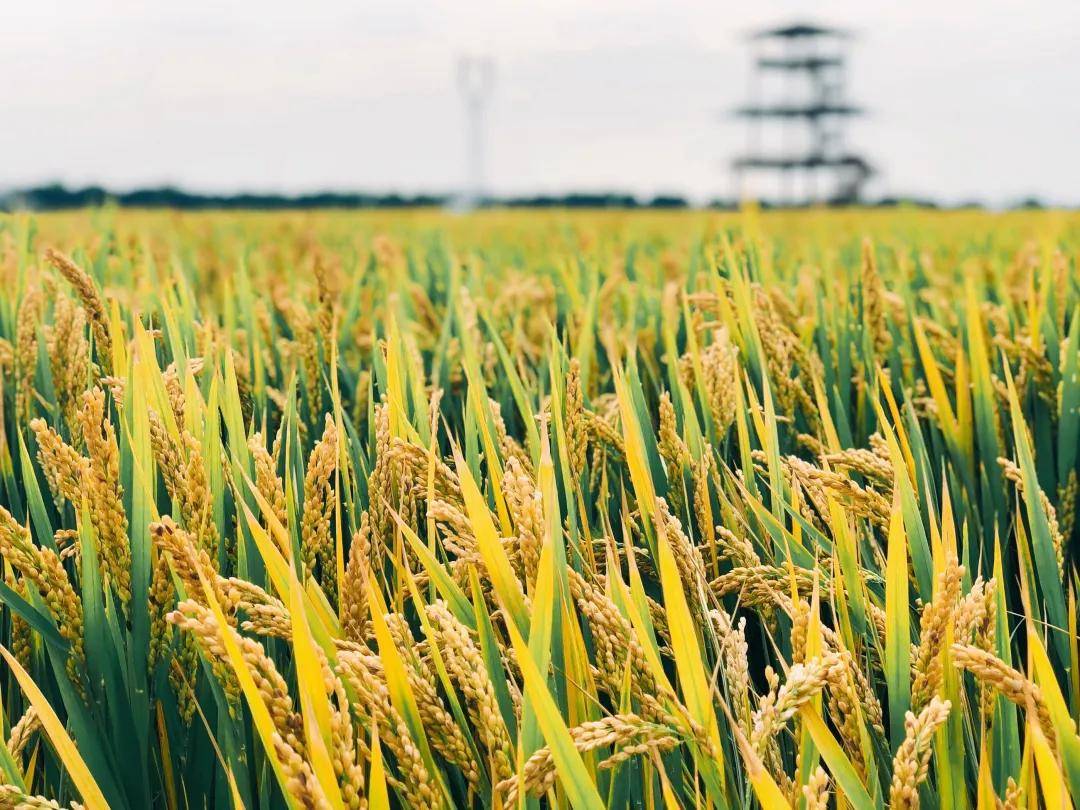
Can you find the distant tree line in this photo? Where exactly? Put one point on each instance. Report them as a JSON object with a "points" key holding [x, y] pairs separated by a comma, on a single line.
{"points": [[58, 197], [55, 197]]}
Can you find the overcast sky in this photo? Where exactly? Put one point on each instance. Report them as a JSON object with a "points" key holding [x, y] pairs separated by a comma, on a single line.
{"points": [[968, 98]]}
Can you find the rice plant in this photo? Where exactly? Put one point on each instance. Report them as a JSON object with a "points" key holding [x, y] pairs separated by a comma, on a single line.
{"points": [[539, 510]]}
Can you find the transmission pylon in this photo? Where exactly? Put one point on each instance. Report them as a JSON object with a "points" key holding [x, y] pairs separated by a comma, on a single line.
{"points": [[476, 77]]}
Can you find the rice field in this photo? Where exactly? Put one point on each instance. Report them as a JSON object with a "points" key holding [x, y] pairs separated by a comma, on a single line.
{"points": [[540, 509]]}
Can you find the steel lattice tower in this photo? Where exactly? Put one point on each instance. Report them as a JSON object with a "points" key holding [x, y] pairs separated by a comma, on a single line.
{"points": [[810, 60]]}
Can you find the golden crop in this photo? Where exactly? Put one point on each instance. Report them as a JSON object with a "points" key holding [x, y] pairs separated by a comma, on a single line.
{"points": [[537, 509]]}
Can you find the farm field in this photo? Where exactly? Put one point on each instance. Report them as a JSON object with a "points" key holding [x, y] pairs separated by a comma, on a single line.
{"points": [[540, 509]]}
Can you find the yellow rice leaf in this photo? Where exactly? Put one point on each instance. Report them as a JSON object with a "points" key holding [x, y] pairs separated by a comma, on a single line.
{"points": [[395, 396], [116, 329], [498, 566], [280, 571], [935, 382], [166, 757], [623, 596], [670, 800], [636, 460], [397, 681], [897, 422], [897, 621], [378, 797], [1074, 649], [815, 635], [693, 675], [574, 776], [64, 746], [1047, 680], [765, 788], [984, 792], [478, 397], [963, 403], [832, 438], [1051, 780], [847, 778], [768, 792], [815, 645], [314, 703], [1064, 726], [260, 714]]}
